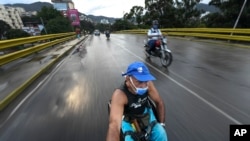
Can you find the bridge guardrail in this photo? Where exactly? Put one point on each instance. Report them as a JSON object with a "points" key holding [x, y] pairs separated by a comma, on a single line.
{"points": [[57, 38], [212, 33]]}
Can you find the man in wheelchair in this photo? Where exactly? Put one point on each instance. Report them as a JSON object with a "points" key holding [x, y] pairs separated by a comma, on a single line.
{"points": [[132, 113]]}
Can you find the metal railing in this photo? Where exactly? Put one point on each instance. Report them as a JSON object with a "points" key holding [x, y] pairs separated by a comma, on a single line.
{"points": [[7, 44], [212, 33]]}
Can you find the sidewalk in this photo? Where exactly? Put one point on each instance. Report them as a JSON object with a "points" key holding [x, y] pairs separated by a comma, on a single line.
{"points": [[17, 75]]}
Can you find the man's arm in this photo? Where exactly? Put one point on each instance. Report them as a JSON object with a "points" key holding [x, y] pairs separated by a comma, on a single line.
{"points": [[154, 95], [116, 111]]}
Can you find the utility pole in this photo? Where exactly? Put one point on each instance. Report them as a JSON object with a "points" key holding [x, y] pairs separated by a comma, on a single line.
{"points": [[43, 25], [237, 20]]}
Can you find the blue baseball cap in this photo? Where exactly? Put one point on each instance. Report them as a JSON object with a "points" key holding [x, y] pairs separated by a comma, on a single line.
{"points": [[140, 71]]}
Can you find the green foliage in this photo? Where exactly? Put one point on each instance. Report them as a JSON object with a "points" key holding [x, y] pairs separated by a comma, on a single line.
{"points": [[16, 33], [169, 13], [161, 10], [59, 25], [102, 27], [135, 15], [49, 13], [184, 13], [229, 13], [87, 26], [4, 27], [122, 25]]}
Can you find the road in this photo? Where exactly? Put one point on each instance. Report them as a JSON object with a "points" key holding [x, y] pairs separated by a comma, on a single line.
{"points": [[205, 89]]}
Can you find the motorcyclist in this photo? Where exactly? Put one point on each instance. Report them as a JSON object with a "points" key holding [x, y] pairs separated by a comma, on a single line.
{"points": [[154, 33], [107, 33], [131, 99]]}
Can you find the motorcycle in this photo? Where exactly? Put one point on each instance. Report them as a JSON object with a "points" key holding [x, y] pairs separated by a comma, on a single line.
{"points": [[139, 133], [161, 50], [107, 36]]}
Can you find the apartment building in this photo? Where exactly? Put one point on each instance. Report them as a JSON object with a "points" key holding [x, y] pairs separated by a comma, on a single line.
{"points": [[11, 16]]}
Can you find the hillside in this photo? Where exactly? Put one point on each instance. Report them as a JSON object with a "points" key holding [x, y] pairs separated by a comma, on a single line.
{"points": [[98, 18], [31, 7]]}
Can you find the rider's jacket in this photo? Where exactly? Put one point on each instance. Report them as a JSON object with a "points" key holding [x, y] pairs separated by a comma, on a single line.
{"points": [[153, 31], [136, 103]]}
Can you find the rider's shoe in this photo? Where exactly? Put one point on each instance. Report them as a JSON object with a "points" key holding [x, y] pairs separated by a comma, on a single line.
{"points": [[147, 54]]}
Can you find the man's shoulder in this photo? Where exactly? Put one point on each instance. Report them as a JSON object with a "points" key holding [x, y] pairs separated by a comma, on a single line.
{"points": [[119, 92], [119, 95]]}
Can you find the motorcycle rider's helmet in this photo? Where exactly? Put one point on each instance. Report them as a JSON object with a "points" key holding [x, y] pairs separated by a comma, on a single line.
{"points": [[155, 24]]}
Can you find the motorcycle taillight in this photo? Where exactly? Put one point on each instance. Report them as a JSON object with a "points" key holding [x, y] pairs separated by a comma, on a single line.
{"points": [[158, 43]]}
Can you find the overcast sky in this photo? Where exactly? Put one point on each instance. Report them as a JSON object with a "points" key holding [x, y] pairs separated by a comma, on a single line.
{"points": [[108, 8]]}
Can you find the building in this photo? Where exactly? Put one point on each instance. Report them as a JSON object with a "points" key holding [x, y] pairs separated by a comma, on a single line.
{"points": [[33, 30], [85, 18], [74, 17], [11, 16], [68, 10], [63, 5], [104, 21]]}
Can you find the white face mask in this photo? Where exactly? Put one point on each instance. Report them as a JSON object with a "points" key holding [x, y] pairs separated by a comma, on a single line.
{"points": [[139, 91]]}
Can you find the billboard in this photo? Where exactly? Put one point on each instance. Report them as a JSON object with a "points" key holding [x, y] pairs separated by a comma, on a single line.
{"points": [[60, 6], [73, 16]]}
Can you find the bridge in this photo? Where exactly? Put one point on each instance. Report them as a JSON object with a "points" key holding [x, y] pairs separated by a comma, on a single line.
{"points": [[60, 93]]}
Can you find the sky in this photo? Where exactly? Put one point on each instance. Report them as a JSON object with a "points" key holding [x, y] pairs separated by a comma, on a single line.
{"points": [[108, 8]]}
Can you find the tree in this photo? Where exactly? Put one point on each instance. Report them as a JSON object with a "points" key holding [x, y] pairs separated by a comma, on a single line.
{"points": [[54, 21], [187, 13], [59, 25], [135, 15], [229, 12], [214, 20], [87, 26], [122, 25], [16, 33], [48, 13], [161, 10], [172, 13], [4, 27]]}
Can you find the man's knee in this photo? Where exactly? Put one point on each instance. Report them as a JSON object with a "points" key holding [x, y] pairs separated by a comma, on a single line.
{"points": [[159, 133], [127, 130]]}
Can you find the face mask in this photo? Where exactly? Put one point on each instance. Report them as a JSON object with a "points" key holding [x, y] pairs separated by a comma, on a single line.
{"points": [[139, 91], [155, 26]]}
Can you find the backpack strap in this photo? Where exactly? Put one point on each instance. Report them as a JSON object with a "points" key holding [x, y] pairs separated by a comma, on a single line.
{"points": [[150, 127], [154, 30]]}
